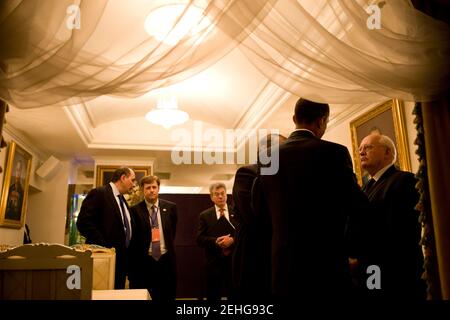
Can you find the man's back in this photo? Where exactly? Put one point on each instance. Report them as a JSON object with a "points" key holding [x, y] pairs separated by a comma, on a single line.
{"points": [[310, 200], [99, 220]]}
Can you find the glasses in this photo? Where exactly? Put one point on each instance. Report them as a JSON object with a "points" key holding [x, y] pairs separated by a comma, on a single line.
{"points": [[368, 147], [219, 194]]}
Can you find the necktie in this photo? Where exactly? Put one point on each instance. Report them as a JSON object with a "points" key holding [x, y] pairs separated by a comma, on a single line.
{"points": [[156, 244], [222, 212], [369, 185], [126, 223]]}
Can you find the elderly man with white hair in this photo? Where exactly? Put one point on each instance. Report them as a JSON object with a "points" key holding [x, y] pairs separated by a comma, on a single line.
{"points": [[394, 227]]}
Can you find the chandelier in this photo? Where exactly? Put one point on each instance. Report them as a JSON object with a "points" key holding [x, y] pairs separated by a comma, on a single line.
{"points": [[166, 113]]}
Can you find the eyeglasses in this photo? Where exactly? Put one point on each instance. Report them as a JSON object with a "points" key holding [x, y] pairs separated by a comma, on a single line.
{"points": [[366, 148], [219, 194]]}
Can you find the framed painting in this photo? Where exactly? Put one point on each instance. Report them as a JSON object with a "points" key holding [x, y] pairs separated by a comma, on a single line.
{"points": [[104, 173], [15, 187], [388, 119]]}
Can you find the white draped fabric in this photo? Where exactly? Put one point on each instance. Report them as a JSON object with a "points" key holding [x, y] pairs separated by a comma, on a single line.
{"points": [[317, 49]]}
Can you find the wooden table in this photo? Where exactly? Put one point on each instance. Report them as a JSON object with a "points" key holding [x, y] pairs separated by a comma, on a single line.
{"points": [[122, 294]]}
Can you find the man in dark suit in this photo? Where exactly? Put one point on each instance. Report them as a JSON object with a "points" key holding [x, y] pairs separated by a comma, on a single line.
{"points": [[312, 199], [153, 259], [395, 230], [216, 233], [105, 220], [251, 269]]}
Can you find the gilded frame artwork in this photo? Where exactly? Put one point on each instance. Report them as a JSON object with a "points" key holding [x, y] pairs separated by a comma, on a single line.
{"points": [[104, 173], [388, 119], [16, 181]]}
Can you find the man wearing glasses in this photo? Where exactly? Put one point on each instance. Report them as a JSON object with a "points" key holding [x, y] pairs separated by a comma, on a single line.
{"points": [[394, 227], [216, 235]]}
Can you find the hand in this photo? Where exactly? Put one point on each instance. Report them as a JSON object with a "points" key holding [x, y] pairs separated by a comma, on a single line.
{"points": [[224, 241], [353, 263]]}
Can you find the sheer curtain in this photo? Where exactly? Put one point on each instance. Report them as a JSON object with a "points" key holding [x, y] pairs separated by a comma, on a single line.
{"points": [[321, 50]]}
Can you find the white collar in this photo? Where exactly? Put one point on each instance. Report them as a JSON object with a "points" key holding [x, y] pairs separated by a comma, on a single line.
{"points": [[114, 189], [303, 129], [149, 205], [378, 175]]}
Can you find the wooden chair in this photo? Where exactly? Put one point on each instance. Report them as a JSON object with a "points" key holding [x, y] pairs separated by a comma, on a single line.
{"points": [[45, 272]]}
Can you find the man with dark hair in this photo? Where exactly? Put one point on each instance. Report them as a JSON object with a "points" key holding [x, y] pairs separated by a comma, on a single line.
{"points": [[216, 235], [311, 199], [153, 259], [105, 219]]}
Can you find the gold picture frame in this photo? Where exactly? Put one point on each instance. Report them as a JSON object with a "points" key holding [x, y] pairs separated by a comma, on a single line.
{"points": [[104, 173], [16, 181], [388, 119]]}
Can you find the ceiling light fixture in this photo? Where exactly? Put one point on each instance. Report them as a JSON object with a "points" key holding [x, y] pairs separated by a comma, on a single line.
{"points": [[166, 113]]}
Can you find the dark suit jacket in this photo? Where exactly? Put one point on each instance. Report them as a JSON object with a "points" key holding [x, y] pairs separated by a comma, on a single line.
{"points": [[252, 252], [205, 239], [395, 234], [141, 240], [311, 199], [100, 220]]}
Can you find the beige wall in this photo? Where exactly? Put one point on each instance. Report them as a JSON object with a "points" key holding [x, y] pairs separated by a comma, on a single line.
{"points": [[8, 235], [47, 199], [47, 209], [340, 133]]}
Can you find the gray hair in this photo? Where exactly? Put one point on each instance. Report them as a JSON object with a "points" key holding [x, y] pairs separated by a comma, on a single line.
{"points": [[215, 186], [388, 143]]}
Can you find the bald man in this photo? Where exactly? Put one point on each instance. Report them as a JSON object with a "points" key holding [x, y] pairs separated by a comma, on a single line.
{"points": [[395, 230]]}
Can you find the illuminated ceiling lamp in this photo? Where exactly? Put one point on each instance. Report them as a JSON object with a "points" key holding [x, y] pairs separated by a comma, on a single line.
{"points": [[166, 113], [172, 22]]}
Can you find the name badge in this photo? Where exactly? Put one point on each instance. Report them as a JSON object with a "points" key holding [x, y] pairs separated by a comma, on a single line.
{"points": [[155, 234]]}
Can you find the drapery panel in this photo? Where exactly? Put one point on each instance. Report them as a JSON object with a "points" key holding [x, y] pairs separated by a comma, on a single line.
{"points": [[321, 50]]}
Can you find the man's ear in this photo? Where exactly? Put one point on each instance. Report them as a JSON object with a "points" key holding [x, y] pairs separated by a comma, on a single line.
{"points": [[294, 119], [319, 123], [388, 153]]}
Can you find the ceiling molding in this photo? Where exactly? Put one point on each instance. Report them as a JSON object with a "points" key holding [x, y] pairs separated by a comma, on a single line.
{"points": [[81, 121], [349, 113], [130, 161], [168, 147], [25, 142], [269, 100], [265, 100]]}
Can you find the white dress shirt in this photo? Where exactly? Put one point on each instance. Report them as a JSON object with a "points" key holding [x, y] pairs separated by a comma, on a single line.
{"points": [[226, 214], [116, 196], [162, 243]]}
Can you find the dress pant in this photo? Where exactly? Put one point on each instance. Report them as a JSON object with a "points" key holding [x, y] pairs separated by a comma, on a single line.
{"points": [[160, 278], [121, 269], [218, 279]]}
